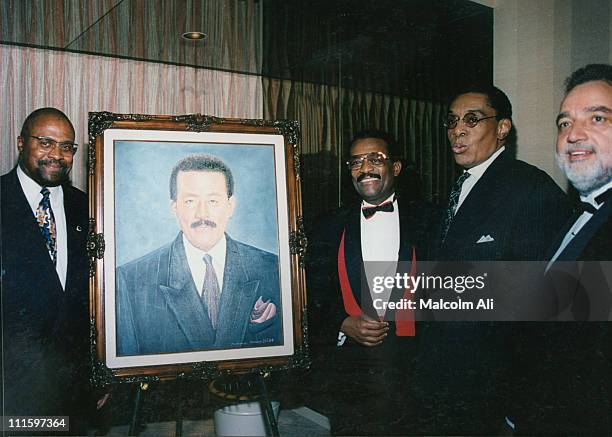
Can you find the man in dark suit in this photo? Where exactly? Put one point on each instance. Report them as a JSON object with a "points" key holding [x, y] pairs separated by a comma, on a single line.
{"points": [[500, 209], [572, 374], [44, 275], [359, 352], [204, 290]]}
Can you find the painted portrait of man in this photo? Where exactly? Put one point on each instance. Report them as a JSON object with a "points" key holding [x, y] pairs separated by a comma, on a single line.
{"points": [[204, 289]]}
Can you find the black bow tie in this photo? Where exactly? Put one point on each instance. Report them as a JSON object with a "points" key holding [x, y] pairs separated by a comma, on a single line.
{"points": [[586, 206], [369, 211], [603, 196]]}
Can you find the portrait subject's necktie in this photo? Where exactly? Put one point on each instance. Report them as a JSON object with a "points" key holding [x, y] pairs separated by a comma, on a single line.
{"points": [[46, 222], [210, 291], [453, 201]]}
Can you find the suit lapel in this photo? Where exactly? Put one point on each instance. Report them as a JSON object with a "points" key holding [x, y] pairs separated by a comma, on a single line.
{"points": [[575, 247], [75, 237], [183, 299], [484, 198], [352, 252], [238, 295]]}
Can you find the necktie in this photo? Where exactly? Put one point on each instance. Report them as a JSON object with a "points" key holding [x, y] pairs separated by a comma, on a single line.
{"points": [[453, 201], [371, 210], [46, 222], [210, 291]]}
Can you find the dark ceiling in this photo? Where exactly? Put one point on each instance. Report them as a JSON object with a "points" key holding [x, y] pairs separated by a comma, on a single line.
{"points": [[414, 48]]}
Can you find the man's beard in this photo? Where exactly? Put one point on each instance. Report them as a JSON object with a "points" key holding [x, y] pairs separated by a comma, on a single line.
{"points": [[585, 178], [55, 178]]}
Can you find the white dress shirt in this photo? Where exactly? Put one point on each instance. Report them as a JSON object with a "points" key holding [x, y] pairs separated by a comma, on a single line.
{"points": [[580, 222], [380, 244], [476, 173], [197, 266], [56, 195]]}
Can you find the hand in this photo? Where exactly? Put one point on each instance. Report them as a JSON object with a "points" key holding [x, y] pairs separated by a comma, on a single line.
{"points": [[364, 330]]}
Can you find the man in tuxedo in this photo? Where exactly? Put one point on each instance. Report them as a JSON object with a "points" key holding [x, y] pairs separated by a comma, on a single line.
{"points": [[204, 290], [359, 351], [573, 366], [44, 275], [499, 209]]}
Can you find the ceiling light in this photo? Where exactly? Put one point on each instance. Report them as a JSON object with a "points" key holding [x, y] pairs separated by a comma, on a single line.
{"points": [[193, 36]]}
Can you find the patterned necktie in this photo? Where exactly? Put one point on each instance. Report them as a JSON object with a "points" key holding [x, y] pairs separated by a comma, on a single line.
{"points": [[453, 201], [210, 291], [46, 222]]}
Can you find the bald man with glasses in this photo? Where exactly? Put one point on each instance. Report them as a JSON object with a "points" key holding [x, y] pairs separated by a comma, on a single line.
{"points": [[44, 275]]}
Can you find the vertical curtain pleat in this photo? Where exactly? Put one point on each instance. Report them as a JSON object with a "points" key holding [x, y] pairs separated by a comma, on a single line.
{"points": [[78, 84], [415, 123]]}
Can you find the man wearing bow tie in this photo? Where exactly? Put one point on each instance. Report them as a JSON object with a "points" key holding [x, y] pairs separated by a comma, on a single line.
{"points": [[44, 274], [358, 347], [573, 372]]}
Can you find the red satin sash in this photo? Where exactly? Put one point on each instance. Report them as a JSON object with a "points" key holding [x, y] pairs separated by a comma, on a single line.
{"points": [[404, 319]]}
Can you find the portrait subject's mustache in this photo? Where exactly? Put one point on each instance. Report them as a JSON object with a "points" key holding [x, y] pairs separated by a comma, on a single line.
{"points": [[367, 175], [204, 222]]}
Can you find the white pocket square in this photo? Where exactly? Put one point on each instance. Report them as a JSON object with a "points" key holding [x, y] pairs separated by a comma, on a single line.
{"points": [[485, 239]]}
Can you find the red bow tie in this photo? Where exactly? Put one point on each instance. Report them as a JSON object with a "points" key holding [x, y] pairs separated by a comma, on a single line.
{"points": [[371, 210]]}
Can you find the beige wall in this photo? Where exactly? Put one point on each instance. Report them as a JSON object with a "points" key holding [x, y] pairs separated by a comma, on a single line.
{"points": [[537, 45]]}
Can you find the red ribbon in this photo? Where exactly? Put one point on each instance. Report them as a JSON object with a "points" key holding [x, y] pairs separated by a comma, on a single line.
{"points": [[404, 318]]}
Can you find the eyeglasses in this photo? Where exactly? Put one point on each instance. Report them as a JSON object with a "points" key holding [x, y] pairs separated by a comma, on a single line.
{"points": [[470, 120], [376, 159], [48, 144]]}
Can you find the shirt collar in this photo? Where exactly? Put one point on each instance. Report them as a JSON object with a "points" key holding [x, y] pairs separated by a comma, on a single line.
{"points": [[365, 204], [590, 198], [478, 170], [217, 252], [31, 189]]}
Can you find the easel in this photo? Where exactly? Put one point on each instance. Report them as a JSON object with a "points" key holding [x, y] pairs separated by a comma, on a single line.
{"points": [[233, 387]]}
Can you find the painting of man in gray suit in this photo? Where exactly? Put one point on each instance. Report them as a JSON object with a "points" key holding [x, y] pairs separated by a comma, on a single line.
{"points": [[204, 290]]}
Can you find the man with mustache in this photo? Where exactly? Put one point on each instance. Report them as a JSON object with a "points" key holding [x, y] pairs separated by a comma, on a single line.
{"points": [[44, 275], [499, 209], [357, 348], [573, 374], [204, 290]]}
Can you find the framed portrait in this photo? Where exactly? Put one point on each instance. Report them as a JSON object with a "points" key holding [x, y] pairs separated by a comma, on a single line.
{"points": [[196, 246]]}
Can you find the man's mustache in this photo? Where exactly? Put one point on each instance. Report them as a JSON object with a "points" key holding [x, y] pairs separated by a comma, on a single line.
{"points": [[204, 222], [60, 162], [367, 175]]}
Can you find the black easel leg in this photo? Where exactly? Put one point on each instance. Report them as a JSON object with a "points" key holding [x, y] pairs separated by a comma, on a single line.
{"points": [[266, 408], [179, 410], [137, 403]]}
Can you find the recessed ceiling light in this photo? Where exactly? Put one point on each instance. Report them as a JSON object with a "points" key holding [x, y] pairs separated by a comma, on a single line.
{"points": [[193, 36]]}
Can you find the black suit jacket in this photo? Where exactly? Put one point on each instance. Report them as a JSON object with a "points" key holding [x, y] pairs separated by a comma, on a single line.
{"points": [[515, 203], [381, 372], [571, 375], [45, 328], [418, 222], [160, 311], [521, 209]]}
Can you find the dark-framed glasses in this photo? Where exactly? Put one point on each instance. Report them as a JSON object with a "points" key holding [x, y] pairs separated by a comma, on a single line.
{"points": [[470, 120], [46, 143], [376, 159]]}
